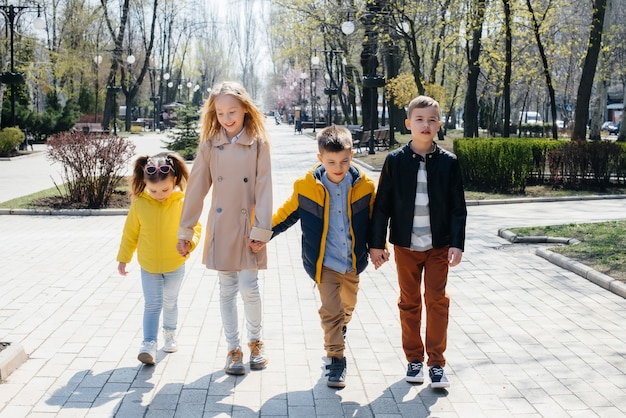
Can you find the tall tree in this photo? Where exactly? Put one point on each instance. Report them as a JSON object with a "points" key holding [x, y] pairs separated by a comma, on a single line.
{"points": [[583, 97], [546, 68], [508, 62], [473, 49]]}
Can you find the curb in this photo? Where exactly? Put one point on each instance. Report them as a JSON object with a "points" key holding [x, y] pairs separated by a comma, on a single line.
{"points": [[11, 358], [543, 199], [607, 282], [65, 212]]}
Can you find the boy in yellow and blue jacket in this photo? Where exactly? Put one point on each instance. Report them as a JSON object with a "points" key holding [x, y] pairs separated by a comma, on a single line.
{"points": [[334, 203]]}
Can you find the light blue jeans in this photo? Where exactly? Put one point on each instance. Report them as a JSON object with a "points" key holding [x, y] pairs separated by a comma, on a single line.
{"points": [[160, 292], [247, 283]]}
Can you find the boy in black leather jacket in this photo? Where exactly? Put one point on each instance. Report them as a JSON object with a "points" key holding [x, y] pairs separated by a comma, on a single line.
{"points": [[420, 192]]}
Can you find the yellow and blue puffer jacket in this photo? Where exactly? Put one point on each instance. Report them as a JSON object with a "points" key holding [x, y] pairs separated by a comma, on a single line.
{"points": [[309, 203]]}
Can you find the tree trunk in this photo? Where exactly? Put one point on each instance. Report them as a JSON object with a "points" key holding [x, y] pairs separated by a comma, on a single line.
{"points": [[369, 63], [621, 136], [506, 128], [589, 70], [110, 104], [470, 112], [597, 111], [546, 70]]}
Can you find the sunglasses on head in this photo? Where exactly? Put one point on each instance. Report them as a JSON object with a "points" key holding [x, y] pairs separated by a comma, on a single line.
{"points": [[152, 169]]}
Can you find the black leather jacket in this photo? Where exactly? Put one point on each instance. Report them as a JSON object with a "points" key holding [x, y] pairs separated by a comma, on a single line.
{"points": [[395, 199]]}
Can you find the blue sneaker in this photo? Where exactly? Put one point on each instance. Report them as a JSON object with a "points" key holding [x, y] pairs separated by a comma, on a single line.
{"points": [[438, 378], [415, 372], [336, 372]]}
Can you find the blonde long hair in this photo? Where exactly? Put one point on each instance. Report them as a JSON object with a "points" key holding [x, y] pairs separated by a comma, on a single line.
{"points": [[253, 122]]}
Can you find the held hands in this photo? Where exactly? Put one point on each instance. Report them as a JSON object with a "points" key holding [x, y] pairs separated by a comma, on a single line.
{"points": [[379, 257], [255, 245], [183, 247]]}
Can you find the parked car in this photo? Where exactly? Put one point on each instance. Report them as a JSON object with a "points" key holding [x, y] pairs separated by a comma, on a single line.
{"points": [[613, 127]]}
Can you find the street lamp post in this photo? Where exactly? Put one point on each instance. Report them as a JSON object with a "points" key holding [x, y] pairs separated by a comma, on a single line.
{"points": [[315, 62], [114, 90], [130, 60], [154, 98], [12, 78], [332, 88], [97, 61]]}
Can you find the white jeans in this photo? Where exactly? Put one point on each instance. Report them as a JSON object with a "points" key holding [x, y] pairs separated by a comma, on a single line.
{"points": [[247, 283]]}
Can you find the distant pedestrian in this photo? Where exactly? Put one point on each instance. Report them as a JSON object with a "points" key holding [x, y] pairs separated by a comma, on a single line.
{"points": [[157, 187], [333, 202], [165, 118], [234, 159], [420, 190]]}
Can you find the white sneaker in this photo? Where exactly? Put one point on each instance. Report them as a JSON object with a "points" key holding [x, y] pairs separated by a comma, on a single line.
{"points": [[147, 352], [169, 335]]}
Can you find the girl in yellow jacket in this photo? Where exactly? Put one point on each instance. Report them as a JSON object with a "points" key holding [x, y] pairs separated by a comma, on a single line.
{"points": [[157, 188]]}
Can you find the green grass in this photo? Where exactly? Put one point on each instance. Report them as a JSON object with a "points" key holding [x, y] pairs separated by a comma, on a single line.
{"points": [[601, 244], [30, 201]]}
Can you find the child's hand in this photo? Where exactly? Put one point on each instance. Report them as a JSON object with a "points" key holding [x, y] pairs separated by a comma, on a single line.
{"points": [[121, 268], [454, 256], [378, 256], [255, 245], [183, 247]]}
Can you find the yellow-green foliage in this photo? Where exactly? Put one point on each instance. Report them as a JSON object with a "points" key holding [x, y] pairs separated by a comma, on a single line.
{"points": [[401, 89], [10, 138]]}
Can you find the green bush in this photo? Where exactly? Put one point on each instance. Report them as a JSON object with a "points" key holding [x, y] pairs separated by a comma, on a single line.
{"points": [[593, 163], [10, 138], [508, 165], [495, 164], [93, 165]]}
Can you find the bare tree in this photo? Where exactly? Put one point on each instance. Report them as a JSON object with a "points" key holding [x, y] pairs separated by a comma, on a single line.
{"points": [[546, 68]]}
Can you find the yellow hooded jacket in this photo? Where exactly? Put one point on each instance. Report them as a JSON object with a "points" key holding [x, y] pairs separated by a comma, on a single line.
{"points": [[151, 228]]}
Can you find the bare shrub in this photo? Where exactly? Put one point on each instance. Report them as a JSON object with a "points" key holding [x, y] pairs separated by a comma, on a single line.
{"points": [[93, 165]]}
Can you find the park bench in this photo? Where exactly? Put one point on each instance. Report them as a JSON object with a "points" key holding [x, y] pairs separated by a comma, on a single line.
{"points": [[361, 139], [308, 124], [90, 128]]}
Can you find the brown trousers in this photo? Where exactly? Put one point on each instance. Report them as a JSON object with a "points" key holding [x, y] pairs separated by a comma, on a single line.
{"points": [[338, 296], [410, 265]]}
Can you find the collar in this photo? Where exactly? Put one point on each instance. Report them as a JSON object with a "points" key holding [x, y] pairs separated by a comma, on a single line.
{"points": [[236, 137]]}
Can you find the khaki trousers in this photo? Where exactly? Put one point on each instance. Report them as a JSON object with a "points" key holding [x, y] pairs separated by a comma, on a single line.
{"points": [[434, 266], [338, 296]]}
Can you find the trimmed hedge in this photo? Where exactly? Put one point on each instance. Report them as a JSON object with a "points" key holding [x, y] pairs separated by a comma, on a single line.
{"points": [[509, 164]]}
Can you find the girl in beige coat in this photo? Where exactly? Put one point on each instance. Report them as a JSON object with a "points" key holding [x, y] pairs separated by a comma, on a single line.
{"points": [[233, 158]]}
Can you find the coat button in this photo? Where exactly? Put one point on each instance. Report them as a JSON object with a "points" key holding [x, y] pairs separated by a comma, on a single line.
{"points": [[243, 211], [221, 147], [219, 210], [219, 178], [245, 179]]}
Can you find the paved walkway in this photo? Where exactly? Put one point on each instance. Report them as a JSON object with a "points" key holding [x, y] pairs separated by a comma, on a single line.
{"points": [[526, 338]]}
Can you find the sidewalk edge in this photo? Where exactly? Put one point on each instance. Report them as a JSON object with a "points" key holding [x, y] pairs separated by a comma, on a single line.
{"points": [[11, 358], [607, 282]]}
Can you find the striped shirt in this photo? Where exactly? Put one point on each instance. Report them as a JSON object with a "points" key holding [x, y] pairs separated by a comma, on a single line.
{"points": [[421, 235]]}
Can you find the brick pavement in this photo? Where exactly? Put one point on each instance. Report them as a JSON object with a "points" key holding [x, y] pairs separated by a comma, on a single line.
{"points": [[526, 338]]}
